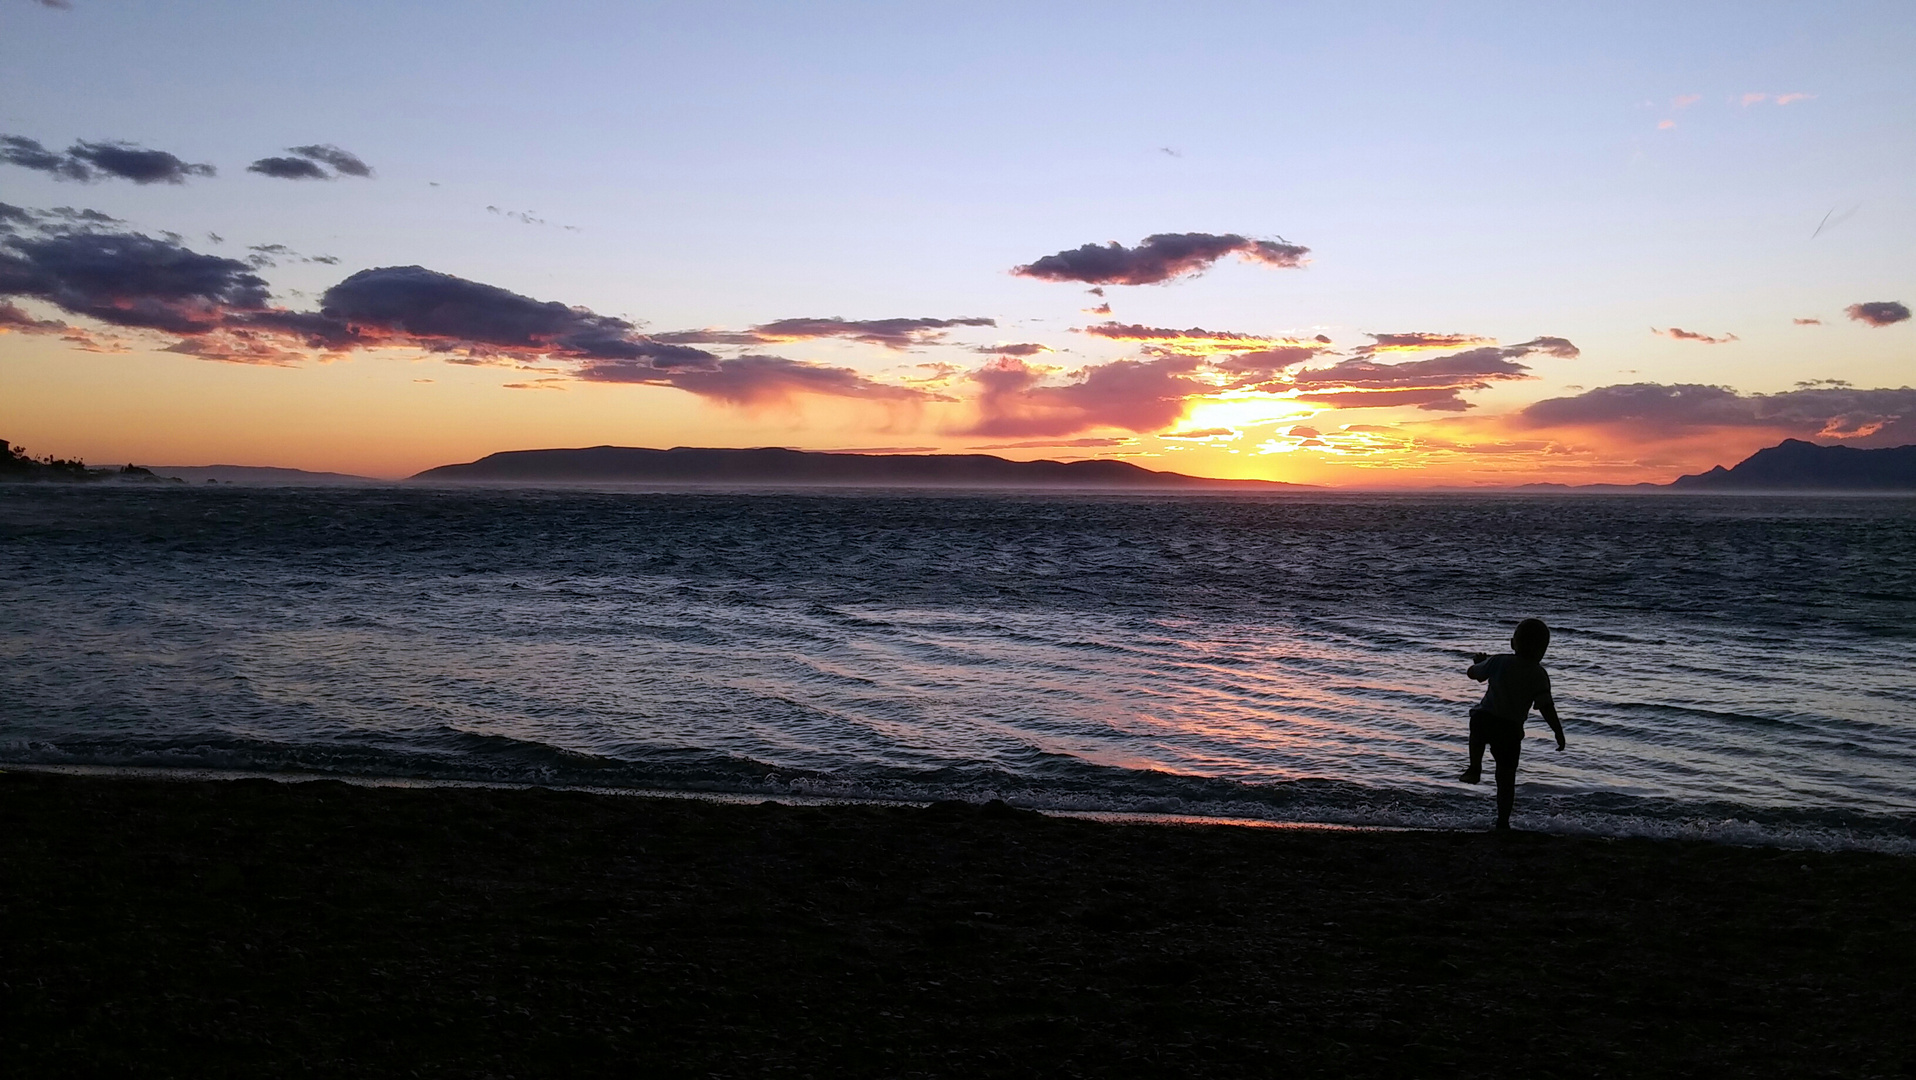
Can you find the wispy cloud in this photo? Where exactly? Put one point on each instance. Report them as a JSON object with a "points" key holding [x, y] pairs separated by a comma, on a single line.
{"points": [[1681, 334], [1159, 258], [1775, 99], [1038, 444], [895, 334]]}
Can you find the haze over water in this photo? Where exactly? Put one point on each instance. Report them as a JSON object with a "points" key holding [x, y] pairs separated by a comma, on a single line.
{"points": [[1733, 667]]}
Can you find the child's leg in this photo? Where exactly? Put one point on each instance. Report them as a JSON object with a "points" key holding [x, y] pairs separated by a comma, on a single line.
{"points": [[1506, 750], [1477, 738]]}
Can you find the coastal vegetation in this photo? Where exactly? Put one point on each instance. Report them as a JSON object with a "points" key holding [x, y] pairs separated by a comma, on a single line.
{"points": [[17, 466]]}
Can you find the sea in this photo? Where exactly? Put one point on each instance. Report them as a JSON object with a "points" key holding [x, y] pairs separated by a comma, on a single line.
{"points": [[1735, 668]]}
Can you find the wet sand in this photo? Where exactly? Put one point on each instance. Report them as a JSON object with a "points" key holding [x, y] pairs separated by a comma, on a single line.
{"points": [[207, 928]]}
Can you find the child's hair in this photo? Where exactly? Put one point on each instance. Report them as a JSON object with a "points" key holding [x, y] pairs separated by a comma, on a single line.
{"points": [[1531, 639]]}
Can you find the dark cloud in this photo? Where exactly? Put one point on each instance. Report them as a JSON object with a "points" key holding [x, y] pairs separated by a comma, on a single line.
{"points": [[221, 310], [89, 161], [756, 380], [29, 154], [414, 306], [343, 162], [1209, 434], [1138, 395], [1681, 334], [1158, 258], [129, 279], [288, 168], [1023, 348], [1878, 312], [1669, 409], [310, 163]]}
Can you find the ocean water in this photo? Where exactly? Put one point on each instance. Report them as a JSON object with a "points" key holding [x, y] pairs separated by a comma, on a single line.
{"points": [[1729, 667]]}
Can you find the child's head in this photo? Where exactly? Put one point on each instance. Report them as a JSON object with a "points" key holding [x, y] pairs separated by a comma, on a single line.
{"points": [[1531, 639]]}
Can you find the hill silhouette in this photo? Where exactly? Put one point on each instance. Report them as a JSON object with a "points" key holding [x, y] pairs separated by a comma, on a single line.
{"points": [[1795, 465], [774, 466]]}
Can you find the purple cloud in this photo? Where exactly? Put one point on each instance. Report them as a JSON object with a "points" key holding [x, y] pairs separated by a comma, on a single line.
{"points": [[1159, 258]]}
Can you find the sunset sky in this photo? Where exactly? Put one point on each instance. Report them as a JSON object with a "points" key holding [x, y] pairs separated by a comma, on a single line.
{"points": [[1364, 244]]}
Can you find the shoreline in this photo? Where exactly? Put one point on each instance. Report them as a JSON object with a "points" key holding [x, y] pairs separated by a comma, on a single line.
{"points": [[1889, 836], [183, 927]]}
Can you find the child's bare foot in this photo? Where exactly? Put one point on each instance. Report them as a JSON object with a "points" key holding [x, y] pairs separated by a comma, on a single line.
{"points": [[1472, 775]]}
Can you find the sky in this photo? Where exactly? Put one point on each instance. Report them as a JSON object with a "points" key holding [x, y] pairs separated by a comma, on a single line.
{"points": [[1367, 245]]}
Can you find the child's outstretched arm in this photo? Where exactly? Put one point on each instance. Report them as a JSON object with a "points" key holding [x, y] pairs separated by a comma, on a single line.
{"points": [[1478, 671], [1548, 707]]}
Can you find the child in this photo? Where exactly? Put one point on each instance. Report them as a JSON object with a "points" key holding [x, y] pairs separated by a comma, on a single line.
{"points": [[1516, 682]]}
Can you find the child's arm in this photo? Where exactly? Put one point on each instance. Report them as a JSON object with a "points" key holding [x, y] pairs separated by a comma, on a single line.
{"points": [[1479, 669], [1548, 707]]}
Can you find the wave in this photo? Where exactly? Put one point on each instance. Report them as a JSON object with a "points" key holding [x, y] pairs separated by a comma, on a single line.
{"points": [[1053, 783]]}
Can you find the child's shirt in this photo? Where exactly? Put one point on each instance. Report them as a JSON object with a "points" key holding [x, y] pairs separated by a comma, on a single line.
{"points": [[1515, 685]]}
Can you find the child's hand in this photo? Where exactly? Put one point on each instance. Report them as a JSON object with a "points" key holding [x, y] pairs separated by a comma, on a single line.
{"points": [[1479, 658], [1560, 741]]}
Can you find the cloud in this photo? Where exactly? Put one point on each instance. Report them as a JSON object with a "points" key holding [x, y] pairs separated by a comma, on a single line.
{"points": [[1022, 348], [129, 279], [1807, 322], [288, 168], [1418, 341], [1681, 334], [1878, 312], [1780, 99], [756, 380], [897, 334], [1436, 399], [1195, 341], [1138, 395], [1159, 258], [219, 309], [1037, 444], [1434, 384], [1837, 412], [1209, 434], [343, 162], [310, 163], [90, 161], [15, 321], [889, 333], [1666, 125], [414, 306], [1684, 101]]}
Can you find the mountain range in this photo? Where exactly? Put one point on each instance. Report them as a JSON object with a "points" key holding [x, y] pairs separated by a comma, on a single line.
{"points": [[767, 466]]}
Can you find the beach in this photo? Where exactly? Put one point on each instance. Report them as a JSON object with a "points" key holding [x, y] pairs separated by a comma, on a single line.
{"points": [[207, 927]]}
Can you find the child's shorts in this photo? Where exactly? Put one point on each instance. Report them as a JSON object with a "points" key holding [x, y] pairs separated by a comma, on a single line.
{"points": [[1504, 736]]}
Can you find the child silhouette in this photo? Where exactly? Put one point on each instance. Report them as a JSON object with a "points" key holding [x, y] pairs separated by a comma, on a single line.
{"points": [[1517, 680]]}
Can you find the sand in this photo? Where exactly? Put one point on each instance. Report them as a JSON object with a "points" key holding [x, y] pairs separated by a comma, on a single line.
{"points": [[205, 928]]}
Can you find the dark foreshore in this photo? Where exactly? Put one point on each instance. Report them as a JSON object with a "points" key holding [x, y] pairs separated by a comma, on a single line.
{"points": [[208, 928]]}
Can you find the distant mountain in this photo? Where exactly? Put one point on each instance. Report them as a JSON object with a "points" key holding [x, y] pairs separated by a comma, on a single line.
{"points": [[259, 475], [1795, 465], [773, 466]]}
